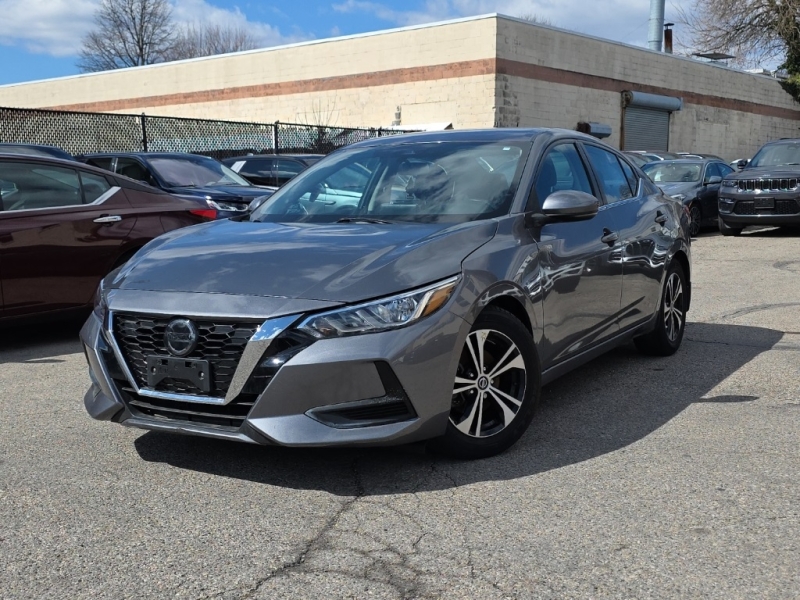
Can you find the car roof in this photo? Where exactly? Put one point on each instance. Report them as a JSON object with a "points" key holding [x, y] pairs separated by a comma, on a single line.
{"points": [[40, 149], [515, 134], [293, 155], [143, 155]]}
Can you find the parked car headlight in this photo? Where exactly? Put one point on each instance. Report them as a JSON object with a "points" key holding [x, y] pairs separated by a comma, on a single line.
{"points": [[380, 315], [225, 206], [680, 197], [729, 183]]}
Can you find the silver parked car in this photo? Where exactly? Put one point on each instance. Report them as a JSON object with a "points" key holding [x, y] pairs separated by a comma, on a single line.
{"points": [[431, 302]]}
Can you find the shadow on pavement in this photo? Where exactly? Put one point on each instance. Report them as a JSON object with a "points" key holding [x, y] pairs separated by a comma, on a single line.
{"points": [[604, 406], [40, 342]]}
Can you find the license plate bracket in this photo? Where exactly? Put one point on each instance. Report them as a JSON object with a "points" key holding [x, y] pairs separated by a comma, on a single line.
{"points": [[196, 372], [764, 203]]}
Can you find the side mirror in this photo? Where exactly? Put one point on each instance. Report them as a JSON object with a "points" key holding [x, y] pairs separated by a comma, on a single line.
{"points": [[714, 180], [742, 163], [567, 205]]}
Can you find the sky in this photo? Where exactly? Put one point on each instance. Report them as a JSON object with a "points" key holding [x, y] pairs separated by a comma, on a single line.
{"points": [[40, 39]]}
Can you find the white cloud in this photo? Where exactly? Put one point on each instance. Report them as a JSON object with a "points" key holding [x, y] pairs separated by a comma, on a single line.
{"points": [[200, 11], [621, 20], [56, 27], [53, 27]]}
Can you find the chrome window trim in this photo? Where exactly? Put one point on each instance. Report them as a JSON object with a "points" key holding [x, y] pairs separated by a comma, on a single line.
{"points": [[71, 207]]}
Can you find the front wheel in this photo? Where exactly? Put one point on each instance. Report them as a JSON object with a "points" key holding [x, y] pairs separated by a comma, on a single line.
{"points": [[496, 388], [666, 337]]}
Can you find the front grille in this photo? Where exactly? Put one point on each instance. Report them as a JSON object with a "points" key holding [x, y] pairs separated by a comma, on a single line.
{"points": [[782, 207], [229, 416], [767, 185], [221, 343]]}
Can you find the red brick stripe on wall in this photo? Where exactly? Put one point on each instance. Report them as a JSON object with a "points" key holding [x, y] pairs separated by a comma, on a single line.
{"points": [[487, 66]]}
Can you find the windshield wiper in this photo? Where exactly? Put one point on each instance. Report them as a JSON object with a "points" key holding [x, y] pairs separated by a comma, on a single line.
{"points": [[363, 220]]}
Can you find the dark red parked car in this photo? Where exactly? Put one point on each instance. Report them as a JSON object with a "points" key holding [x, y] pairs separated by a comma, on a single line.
{"points": [[65, 225]]}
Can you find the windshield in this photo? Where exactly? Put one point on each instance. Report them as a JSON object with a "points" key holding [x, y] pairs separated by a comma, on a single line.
{"points": [[421, 182], [667, 171], [194, 171], [776, 155]]}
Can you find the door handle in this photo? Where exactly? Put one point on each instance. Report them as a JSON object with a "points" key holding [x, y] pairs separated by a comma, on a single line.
{"points": [[609, 237], [108, 219], [661, 218]]}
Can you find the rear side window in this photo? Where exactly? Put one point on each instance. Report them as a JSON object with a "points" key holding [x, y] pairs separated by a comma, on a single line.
{"points": [[133, 169], [29, 186], [610, 174], [94, 186], [103, 163], [633, 180], [256, 167]]}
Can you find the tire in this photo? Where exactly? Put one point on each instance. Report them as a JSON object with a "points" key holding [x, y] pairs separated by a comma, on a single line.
{"points": [[695, 220], [725, 230], [666, 337], [489, 413]]}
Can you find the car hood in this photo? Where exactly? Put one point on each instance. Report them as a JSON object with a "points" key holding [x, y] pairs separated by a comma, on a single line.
{"points": [[329, 262], [787, 172], [233, 192], [678, 187]]}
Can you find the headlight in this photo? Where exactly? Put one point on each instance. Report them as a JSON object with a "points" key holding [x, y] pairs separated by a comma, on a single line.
{"points": [[380, 315], [729, 183], [225, 206], [680, 197]]}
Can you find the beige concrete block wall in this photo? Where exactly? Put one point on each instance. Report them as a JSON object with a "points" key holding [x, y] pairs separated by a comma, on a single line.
{"points": [[466, 102], [733, 130], [311, 62]]}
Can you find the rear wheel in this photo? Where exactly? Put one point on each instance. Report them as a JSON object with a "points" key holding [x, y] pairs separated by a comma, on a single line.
{"points": [[496, 388], [667, 336], [695, 219], [725, 230]]}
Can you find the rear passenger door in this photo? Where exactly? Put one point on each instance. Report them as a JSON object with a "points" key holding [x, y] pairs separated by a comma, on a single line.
{"points": [[60, 231], [638, 210]]}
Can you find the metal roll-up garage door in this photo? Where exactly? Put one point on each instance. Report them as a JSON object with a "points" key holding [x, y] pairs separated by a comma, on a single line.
{"points": [[646, 120]]}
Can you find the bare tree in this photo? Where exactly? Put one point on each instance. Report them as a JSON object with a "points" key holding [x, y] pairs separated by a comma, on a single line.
{"points": [[208, 39], [128, 33], [757, 32], [534, 18]]}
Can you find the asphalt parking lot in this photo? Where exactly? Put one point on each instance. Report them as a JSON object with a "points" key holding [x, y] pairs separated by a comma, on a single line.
{"points": [[640, 478]]}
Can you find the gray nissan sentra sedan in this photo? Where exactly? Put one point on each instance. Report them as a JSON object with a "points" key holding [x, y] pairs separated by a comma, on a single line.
{"points": [[418, 287]]}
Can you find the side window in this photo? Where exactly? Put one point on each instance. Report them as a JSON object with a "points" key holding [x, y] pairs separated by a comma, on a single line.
{"points": [[131, 168], [712, 170], [724, 170], [103, 163], [257, 167], [27, 186], [633, 179], [94, 186], [561, 169], [609, 173], [287, 169]]}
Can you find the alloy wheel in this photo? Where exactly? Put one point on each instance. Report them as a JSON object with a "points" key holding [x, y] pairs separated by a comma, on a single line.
{"points": [[490, 384], [673, 307]]}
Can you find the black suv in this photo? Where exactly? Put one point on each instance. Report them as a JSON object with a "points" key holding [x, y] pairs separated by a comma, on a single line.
{"points": [[765, 192]]}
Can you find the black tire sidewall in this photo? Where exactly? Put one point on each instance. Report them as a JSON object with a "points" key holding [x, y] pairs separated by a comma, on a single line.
{"points": [[459, 445]]}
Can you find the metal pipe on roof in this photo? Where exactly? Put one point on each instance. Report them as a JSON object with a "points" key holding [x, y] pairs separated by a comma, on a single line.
{"points": [[655, 39]]}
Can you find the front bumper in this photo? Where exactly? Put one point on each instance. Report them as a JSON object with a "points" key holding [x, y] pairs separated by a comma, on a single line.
{"points": [[737, 209], [310, 399]]}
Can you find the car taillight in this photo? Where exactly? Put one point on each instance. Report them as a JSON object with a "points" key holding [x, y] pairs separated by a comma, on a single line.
{"points": [[206, 213]]}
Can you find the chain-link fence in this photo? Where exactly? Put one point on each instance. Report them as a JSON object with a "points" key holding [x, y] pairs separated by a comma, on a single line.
{"points": [[83, 133]]}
